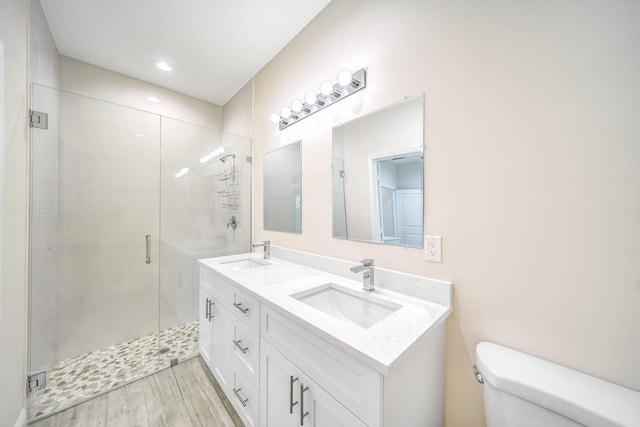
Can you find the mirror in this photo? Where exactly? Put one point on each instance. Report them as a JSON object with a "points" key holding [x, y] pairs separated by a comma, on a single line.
{"points": [[378, 176], [282, 189]]}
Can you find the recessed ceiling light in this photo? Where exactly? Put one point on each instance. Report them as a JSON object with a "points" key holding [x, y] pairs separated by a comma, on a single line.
{"points": [[162, 65], [153, 99]]}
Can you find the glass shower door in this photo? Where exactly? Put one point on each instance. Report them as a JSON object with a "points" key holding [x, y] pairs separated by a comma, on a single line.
{"points": [[94, 250]]}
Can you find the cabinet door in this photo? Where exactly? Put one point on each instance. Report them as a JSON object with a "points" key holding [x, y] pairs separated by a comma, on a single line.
{"points": [[221, 348], [207, 329], [319, 409], [279, 389], [289, 398]]}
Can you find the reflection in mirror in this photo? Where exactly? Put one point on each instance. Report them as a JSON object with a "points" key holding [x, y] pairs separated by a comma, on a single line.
{"points": [[378, 176], [282, 189]]}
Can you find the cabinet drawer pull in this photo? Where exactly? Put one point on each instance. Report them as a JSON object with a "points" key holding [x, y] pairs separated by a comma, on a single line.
{"points": [[291, 402], [237, 343], [303, 413], [237, 393], [209, 314], [238, 306]]}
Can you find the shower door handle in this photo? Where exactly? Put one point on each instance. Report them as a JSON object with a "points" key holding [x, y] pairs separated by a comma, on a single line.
{"points": [[148, 245]]}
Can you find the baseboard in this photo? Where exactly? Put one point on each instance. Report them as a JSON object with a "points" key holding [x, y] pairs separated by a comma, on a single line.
{"points": [[22, 419]]}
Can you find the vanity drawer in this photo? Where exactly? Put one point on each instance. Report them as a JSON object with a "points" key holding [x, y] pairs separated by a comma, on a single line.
{"points": [[352, 383], [244, 397], [246, 308], [216, 285], [246, 352]]}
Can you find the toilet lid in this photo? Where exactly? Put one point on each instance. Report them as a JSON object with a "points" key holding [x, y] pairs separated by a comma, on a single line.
{"points": [[585, 399]]}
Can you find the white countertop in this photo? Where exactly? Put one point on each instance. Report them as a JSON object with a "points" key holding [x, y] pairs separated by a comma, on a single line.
{"points": [[378, 346]]}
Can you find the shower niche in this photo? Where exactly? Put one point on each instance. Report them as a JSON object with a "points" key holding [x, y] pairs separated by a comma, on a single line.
{"points": [[100, 315]]}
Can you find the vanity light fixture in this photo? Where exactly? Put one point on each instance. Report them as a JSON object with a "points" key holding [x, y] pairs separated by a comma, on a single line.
{"points": [[330, 93]]}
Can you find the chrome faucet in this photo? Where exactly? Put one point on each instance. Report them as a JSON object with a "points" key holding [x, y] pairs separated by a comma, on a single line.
{"points": [[367, 276], [266, 244]]}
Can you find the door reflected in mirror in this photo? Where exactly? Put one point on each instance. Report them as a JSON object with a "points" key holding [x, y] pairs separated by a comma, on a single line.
{"points": [[378, 176], [282, 189]]}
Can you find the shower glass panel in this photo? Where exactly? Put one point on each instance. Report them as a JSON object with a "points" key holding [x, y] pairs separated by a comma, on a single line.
{"points": [[204, 213], [95, 197], [108, 182]]}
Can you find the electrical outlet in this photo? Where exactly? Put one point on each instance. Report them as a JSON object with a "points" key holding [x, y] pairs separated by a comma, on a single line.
{"points": [[433, 248]]}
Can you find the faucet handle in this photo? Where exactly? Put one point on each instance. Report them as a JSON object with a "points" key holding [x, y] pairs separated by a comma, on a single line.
{"points": [[367, 262]]}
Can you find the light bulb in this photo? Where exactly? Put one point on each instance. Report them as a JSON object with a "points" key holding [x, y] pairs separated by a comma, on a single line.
{"points": [[311, 98], [275, 118], [296, 105], [285, 112], [345, 78], [326, 88]]}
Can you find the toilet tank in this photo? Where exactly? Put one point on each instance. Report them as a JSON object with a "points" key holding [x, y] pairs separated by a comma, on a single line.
{"points": [[522, 390]]}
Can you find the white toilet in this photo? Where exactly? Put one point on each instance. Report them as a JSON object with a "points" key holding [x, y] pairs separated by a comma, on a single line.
{"points": [[522, 390]]}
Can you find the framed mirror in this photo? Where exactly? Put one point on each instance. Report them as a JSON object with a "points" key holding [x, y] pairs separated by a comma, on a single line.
{"points": [[282, 189], [378, 176]]}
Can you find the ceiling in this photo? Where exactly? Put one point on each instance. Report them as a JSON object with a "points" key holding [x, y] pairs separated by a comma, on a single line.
{"points": [[215, 46]]}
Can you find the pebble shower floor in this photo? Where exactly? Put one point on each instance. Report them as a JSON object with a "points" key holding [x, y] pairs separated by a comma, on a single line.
{"points": [[75, 380]]}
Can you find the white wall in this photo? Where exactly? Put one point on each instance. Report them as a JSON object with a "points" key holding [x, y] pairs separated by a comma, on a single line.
{"points": [[13, 288], [86, 79], [238, 112], [531, 169]]}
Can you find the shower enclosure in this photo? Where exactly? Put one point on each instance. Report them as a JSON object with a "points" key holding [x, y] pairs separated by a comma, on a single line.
{"points": [[123, 204]]}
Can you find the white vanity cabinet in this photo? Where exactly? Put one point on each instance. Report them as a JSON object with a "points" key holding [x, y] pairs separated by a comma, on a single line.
{"points": [[229, 342], [283, 363], [344, 391]]}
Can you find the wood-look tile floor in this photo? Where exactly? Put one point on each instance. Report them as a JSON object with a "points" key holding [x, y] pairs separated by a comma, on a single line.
{"points": [[181, 396]]}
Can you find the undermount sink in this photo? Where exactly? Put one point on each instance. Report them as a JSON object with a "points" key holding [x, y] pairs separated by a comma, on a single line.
{"points": [[362, 309], [246, 263]]}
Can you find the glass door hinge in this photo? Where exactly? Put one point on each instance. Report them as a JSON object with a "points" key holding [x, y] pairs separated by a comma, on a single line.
{"points": [[36, 381]]}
